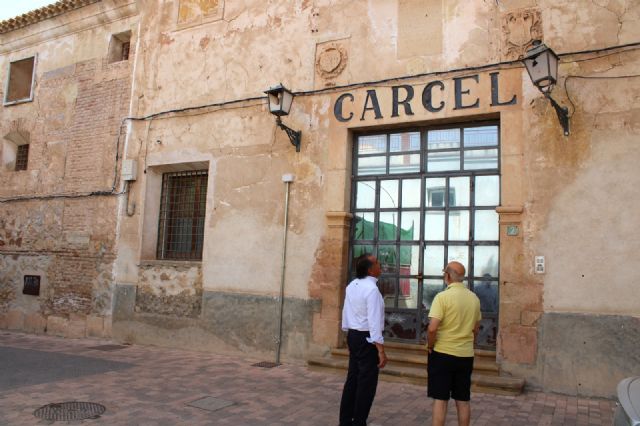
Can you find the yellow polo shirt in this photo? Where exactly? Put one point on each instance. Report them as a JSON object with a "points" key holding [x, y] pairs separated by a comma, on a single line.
{"points": [[458, 310]]}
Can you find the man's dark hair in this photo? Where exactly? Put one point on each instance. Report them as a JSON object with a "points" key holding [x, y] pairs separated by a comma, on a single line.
{"points": [[363, 264]]}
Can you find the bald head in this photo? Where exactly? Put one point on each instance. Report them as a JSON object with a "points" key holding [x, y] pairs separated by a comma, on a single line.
{"points": [[456, 271]]}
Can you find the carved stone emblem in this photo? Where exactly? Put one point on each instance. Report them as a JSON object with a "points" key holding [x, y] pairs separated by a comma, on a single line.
{"points": [[331, 61], [520, 29]]}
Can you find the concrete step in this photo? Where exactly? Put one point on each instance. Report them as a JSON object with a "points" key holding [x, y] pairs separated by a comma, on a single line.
{"points": [[483, 365], [413, 347], [412, 374]]}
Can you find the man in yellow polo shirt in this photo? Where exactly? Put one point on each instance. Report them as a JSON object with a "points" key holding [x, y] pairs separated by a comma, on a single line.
{"points": [[454, 320]]}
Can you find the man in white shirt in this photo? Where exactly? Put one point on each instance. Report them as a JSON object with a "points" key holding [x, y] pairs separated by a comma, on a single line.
{"points": [[363, 319]]}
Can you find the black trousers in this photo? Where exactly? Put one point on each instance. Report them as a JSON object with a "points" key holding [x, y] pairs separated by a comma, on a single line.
{"points": [[362, 380]]}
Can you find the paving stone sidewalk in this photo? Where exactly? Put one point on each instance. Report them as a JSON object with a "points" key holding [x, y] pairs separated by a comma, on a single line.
{"points": [[144, 385]]}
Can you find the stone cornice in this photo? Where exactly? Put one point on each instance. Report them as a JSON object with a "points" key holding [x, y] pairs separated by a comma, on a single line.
{"points": [[337, 219], [42, 13]]}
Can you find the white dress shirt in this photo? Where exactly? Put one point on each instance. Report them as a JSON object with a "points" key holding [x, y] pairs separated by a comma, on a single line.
{"points": [[364, 308]]}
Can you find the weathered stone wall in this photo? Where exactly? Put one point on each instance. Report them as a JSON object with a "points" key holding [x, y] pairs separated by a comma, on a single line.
{"points": [[58, 217], [167, 289], [228, 323]]}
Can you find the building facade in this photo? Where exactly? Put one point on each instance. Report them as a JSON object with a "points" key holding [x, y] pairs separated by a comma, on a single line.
{"points": [[423, 140], [66, 88]]}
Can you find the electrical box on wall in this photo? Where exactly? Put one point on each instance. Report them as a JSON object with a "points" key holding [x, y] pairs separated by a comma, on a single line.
{"points": [[129, 170], [539, 265]]}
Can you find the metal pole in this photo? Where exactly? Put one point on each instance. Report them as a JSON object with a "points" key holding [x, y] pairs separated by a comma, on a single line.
{"points": [[284, 264]]}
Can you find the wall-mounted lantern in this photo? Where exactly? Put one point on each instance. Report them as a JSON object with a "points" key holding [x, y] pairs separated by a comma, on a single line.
{"points": [[280, 100], [542, 65]]}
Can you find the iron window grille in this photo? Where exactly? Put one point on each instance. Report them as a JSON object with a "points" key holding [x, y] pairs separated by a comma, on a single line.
{"points": [[22, 157], [445, 169], [182, 213], [126, 46]]}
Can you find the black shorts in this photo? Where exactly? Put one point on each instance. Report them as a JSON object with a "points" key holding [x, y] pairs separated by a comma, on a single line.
{"points": [[449, 376]]}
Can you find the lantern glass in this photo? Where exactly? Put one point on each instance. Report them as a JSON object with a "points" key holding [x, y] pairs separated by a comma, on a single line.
{"points": [[280, 100], [542, 65]]}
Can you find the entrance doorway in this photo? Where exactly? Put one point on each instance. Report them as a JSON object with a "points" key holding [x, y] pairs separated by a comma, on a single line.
{"points": [[420, 199]]}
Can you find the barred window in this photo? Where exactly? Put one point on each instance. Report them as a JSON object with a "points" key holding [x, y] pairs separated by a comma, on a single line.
{"points": [[22, 157], [182, 212]]}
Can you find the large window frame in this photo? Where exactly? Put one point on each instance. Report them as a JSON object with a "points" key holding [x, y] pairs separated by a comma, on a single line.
{"points": [[418, 170], [12, 69]]}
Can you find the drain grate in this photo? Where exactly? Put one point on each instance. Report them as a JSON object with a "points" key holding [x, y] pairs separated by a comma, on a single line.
{"points": [[108, 347], [210, 403], [73, 410], [265, 364]]}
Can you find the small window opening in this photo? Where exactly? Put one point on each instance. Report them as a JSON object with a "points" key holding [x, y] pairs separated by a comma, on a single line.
{"points": [[120, 47], [31, 285], [20, 83], [22, 157]]}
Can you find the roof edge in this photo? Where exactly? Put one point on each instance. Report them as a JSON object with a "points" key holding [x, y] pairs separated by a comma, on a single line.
{"points": [[43, 13]]}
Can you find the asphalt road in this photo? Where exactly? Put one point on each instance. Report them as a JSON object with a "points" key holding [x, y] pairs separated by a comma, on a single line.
{"points": [[25, 367]]}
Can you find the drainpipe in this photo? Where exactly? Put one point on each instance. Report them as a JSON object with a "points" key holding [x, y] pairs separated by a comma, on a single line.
{"points": [[287, 179]]}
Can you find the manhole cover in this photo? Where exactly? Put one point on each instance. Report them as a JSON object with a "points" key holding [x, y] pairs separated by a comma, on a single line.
{"points": [[74, 410], [265, 364]]}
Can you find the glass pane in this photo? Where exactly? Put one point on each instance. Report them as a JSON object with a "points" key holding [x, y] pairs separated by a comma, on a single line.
{"points": [[459, 191], [372, 144], [399, 325], [389, 194], [481, 159], [459, 254], [387, 256], [408, 293], [387, 286], [410, 226], [388, 226], [480, 136], [372, 165], [486, 225], [363, 229], [359, 250], [442, 139], [487, 190], [366, 195], [409, 260], [459, 225], [485, 261], [434, 226], [488, 333], [411, 193], [404, 142], [430, 287], [443, 161], [433, 260], [434, 192], [405, 163], [487, 292]]}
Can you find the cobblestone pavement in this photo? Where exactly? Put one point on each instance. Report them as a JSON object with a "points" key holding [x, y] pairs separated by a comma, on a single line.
{"points": [[144, 385]]}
